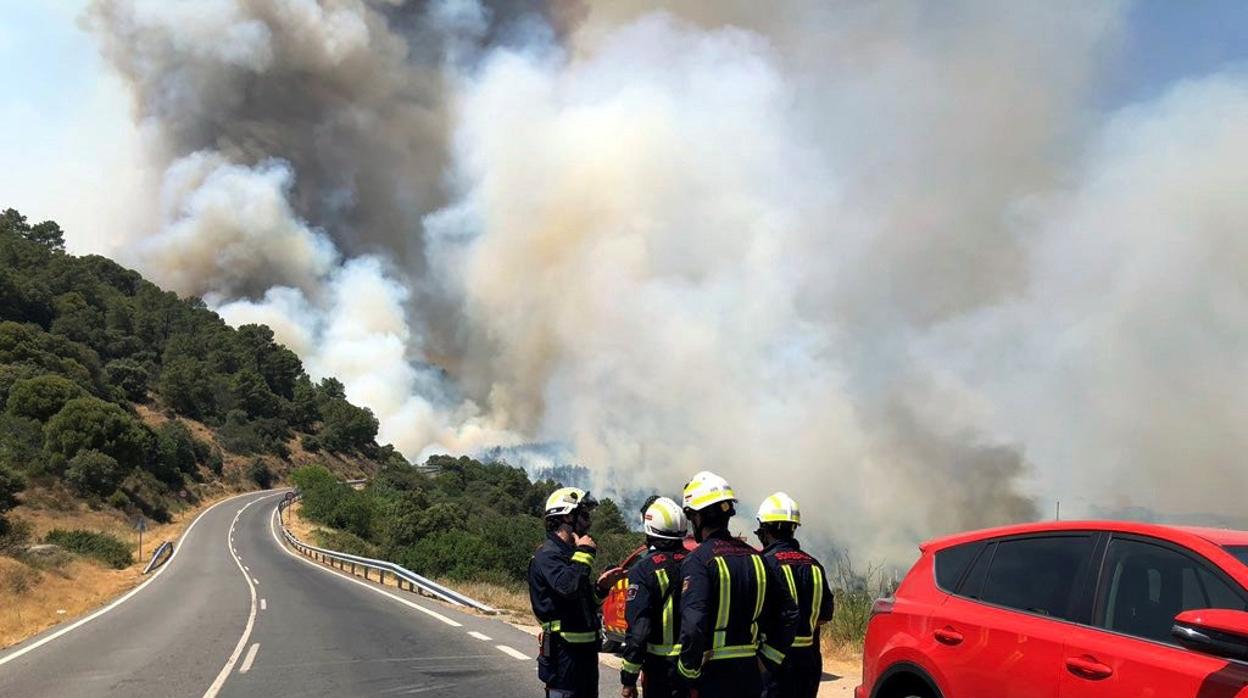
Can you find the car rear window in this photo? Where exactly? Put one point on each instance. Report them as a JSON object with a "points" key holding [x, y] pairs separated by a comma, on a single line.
{"points": [[1239, 551], [1037, 575], [952, 562]]}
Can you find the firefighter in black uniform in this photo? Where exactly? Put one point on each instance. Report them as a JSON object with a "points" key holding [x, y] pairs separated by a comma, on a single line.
{"points": [[565, 599], [654, 580], [806, 582], [728, 602]]}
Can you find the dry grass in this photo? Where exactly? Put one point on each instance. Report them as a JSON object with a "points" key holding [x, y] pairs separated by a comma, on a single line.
{"points": [[35, 596]]}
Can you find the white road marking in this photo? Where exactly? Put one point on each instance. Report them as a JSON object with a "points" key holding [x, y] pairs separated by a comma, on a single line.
{"points": [[354, 580], [78, 624], [479, 636], [264, 604], [251, 657], [215, 688], [257, 581], [512, 652]]}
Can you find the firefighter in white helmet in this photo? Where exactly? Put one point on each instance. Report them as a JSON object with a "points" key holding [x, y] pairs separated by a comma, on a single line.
{"points": [[654, 581], [728, 600], [807, 584], [565, 598]]}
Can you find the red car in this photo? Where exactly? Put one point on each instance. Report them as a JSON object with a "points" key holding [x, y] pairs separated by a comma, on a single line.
{"points": [[1066, 610]]}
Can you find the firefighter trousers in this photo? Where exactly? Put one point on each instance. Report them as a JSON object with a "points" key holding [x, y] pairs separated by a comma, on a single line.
{"points": [[798, 677], [569, 670], [729, 678]]}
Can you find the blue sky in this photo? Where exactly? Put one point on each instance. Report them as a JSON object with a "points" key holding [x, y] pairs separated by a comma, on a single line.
{"points": [[62, 113]]}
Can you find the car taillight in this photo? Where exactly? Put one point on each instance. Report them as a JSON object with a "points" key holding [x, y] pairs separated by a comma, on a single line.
{"points": [[882, 606]]}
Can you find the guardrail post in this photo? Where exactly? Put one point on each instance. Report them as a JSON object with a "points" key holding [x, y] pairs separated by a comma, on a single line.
{"points": [[366, 572], [383, 577]]}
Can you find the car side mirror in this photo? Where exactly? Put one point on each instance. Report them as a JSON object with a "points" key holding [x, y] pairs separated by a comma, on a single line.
{"points": [[1218, 632]]}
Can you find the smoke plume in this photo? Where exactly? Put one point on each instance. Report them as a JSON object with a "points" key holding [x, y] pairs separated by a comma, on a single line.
{"points": [[888, 258]]}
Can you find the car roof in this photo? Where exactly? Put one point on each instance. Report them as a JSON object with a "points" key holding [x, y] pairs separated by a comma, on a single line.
{"points": [[1217, 536]]}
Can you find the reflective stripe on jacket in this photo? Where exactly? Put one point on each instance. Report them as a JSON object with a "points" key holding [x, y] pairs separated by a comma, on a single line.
{"points": [[562, 592]]}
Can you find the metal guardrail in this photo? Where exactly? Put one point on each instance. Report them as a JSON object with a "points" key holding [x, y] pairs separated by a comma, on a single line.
{"points": [[403, 576], [165, 547]]}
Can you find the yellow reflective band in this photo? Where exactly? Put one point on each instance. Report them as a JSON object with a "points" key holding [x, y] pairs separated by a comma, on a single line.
{"points": [[804, 641], [686, 671], [732, 652], [717, 496], [725, 598], [663, 650], [579, 638], [552, 627], [772, 653], [788, 577], [817, 599], [761, 575], [669, 625], [630, 667], [582, 556]]}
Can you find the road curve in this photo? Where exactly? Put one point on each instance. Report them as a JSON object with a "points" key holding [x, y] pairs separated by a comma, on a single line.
{"points": [[198, 631]]}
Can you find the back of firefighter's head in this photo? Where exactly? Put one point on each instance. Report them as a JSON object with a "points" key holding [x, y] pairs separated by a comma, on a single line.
{"points": [[709, 502], [663, 521], [778, 518], [570, 507]]}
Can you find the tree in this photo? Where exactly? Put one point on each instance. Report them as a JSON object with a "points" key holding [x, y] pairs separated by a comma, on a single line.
{"points": [[608, 519], [175, 452], [47, 233], [41, 397], [130, 376], [347, 428], [252, 395], [10, 484], [187, 386], [91, 472], [90, 423]]}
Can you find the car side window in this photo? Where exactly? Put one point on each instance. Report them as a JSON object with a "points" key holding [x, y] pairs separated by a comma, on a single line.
{"points": [[1037, 575], [1144, 586], [952, 562]]}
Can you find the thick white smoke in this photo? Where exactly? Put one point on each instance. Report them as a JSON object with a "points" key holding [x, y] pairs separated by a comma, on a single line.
{"points": [[884, 257]]}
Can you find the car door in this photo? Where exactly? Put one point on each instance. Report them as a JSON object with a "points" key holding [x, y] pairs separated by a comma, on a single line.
{"points": [[1128, 650], [1002, 633]]}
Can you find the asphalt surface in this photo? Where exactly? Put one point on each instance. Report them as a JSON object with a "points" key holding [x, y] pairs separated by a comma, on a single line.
{"points": [[272, 623]]}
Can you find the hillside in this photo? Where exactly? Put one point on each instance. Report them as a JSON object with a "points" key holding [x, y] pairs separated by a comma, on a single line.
{"points": [[120, 400]]}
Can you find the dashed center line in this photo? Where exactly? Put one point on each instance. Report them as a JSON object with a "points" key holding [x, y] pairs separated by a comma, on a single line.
{"points": [[510, 652], [264, 604], [251, 657], [479, 636]]}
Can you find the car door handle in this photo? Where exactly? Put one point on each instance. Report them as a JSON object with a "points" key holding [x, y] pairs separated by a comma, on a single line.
{"points": [[948, 636], [1088, 668]]}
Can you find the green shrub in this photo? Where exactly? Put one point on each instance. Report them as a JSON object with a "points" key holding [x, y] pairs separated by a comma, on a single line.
{"points": [[101, 546], [259, 473], [94, 473], [344, 542]]}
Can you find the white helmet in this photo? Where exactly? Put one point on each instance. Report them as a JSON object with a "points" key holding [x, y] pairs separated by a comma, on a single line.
{"points": [[566, 500], [664, 519], [779, 508], [707, 488]]}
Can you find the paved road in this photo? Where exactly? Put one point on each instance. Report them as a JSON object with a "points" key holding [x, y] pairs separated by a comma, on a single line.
{"points": [[273, 624]]}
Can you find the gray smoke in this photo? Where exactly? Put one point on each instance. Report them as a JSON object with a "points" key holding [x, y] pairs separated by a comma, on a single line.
{"points": [[884, 257]]}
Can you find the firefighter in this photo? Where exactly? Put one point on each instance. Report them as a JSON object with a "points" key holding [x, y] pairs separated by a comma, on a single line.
{"points": [[653, 599], [565, 599], [728, 598], [807, 583]]}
